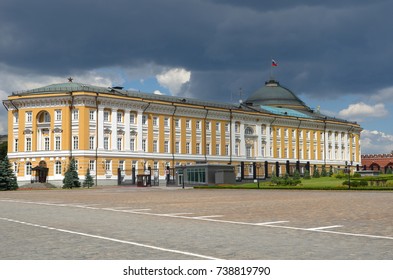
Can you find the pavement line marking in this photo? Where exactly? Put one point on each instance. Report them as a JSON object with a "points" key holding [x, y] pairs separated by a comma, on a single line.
{"points": [[176, 214], [322, 228], [219, 221], [112, 239], [270, 223], [206, 217]]}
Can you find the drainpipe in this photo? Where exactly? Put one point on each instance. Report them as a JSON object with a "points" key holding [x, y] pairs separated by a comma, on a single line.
{"points": [[71, 107], [173, 130], [324, 141], [96, 139], [298, 141], [205, 134], [230, 136]]}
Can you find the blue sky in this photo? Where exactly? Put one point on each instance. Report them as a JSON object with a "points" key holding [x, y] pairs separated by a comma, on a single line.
{"points": [[332, 54]]}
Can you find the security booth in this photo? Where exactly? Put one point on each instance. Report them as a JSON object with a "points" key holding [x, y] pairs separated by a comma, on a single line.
{"points": [[205, 174], [143, 180]]}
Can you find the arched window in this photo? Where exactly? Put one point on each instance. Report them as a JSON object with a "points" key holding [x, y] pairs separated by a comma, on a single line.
{"points": [[58, 168], [28, 168], [249, 131]]}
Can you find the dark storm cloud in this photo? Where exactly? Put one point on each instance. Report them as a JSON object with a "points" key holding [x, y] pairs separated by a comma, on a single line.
{"points": [[323, 47]]}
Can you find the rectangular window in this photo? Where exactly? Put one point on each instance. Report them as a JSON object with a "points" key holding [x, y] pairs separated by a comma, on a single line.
{"points": [[132, 118], [75, 142], [106, 116], [108, 165], [144, 145], [15, 145], [166, 146], [188, 124], [75, 114], [29, 117], [106, 143], [198, 148], [120, 143], [46, 143], [155, 121], [237, 127], [166, 122], [57, 143], [92, 165], [208, 149], [92, 115], [188, 151], [227, 150], [198, 125], [132, 144], [237, 149], [154, 146], [217, 127], [16, 117], [28, 144], [121, 165], [208, 126], [144, 119], [91, 143], [177, 147], [58, 115], [177, 123], [227, 127], [217, 149], [119, 117]]}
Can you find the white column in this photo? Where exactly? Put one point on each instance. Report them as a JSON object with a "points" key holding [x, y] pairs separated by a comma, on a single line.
{"points": [[258, 145], [100, 128], [126, 138], [268, 139], [114, 129], [233, 137], [140, 131], [242, 141]]}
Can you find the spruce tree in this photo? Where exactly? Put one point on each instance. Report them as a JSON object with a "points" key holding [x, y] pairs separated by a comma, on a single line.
{"points": [[316, 173], [307, 175], [324, 172], [71, 178], [8, 179], [88, 182]]}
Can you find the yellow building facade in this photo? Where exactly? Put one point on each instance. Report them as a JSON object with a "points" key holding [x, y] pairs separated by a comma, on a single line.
{"points": [[106, 129]]}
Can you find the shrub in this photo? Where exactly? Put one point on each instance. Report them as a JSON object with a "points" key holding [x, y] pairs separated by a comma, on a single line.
{"points": [[323, 171], [316, 173], [307, 175]]}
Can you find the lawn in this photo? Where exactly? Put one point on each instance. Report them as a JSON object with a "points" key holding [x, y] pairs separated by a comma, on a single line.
{"points": [[323, 183]]}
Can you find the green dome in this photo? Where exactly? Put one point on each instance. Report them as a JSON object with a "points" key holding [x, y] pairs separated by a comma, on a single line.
{"points": [[272, 94]]}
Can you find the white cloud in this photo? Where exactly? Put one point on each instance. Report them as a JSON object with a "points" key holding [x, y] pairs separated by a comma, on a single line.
{"points": [[359, 111], [174, 79], [376, 142], [158, 92]]}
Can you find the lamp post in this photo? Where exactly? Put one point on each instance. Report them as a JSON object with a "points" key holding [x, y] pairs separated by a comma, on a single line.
{"points": [[348, 166], [258, 167]]}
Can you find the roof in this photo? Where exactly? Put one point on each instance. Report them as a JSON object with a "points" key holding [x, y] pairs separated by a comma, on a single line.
{"points": [[272, 94], [271, 99]]}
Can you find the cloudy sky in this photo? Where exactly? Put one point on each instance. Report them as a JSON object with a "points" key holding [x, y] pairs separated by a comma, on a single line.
{"points": [[334, 54]]}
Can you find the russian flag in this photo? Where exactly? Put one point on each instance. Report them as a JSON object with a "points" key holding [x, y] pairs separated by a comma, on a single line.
{"points": [[274, 63]]}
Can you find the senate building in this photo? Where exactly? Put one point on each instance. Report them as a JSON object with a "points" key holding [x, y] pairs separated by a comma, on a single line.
{"points": [[118, 134]]}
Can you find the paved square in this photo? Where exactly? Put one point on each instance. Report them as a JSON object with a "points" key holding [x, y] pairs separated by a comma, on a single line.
{"points": [[175, 223]]}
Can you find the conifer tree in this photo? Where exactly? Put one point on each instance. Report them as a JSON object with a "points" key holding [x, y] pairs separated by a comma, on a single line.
{"points": [[8, 179], [88, 182], [71, 178], [316, 173], [324, 172]]}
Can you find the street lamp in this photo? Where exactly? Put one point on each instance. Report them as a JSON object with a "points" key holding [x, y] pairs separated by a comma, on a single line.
{"points": [[258, 167], [348, 166]]}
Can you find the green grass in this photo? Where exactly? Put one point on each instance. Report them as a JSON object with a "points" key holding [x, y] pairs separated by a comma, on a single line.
{"points": [[323, 183]]}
